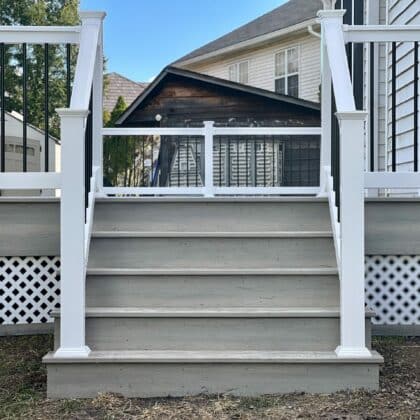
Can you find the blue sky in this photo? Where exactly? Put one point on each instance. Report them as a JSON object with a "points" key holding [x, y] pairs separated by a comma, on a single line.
{"points": [[143, 36]]}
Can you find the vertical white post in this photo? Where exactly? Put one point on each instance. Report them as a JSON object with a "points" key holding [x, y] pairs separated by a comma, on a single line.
{"points": [[352, 270], [72, 335], [326, 111], [208, 158]]}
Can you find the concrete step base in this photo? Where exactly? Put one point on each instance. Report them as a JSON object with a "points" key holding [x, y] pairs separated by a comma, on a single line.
{"points": [[176, 374]]}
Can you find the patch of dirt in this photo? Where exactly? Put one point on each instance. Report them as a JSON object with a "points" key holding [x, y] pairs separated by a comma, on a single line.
{"points": [[23, 393]]}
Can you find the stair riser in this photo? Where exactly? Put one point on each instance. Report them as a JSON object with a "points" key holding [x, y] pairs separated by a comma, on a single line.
{"points": [[143, 253], [176, 380], [212, 217], [267, 334], [212, 291]]}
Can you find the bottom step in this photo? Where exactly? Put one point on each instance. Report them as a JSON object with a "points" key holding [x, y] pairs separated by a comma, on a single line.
{"points": [[184, 373]]}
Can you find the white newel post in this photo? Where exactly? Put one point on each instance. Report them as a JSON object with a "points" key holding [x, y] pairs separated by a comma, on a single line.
{"points": [[326, 114], [72, 213], [208, 158], [352, 271]]}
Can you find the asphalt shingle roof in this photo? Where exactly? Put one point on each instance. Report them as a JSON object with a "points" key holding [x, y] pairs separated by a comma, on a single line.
{"points": [[289, 14], [117, 86]]}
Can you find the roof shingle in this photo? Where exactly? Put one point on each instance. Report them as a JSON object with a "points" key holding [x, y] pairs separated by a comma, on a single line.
{"points": [[117, 86], [289, 14]]}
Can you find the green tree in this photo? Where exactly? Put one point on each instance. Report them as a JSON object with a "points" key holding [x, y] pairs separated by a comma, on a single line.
{"points": [[38, 12]]}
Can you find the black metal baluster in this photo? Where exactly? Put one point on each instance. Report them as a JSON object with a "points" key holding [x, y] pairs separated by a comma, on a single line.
{"points": [[237, 163], [3, 106], [88, 153], [273, 168], [25, 108], [255, 162], [188, 161], [247, 163], [372, 106], [143, 172], [394, 105], [68, 73], [265, 156], [179, 160], [152, 167], [46, 109], [197, 141], [220, 161], [229, 162], [169, 146], [416, 106]]}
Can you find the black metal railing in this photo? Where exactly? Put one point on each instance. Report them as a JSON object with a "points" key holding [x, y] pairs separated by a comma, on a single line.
{"points": [[34, 81], [88, 152], [238, 161]]}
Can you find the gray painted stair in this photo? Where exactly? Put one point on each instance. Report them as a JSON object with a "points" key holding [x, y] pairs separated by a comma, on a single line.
{"points": [[225, 295]]}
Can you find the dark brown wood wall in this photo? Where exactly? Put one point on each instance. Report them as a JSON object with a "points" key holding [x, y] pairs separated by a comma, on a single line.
{"points": [[187, 102]]}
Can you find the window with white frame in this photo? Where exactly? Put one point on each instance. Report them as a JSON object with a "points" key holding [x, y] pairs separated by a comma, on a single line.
{"points": [[286, 78], [238, 72]]}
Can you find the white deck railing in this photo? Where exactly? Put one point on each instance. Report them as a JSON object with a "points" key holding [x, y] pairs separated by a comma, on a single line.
{"points": [[208, 132], [348, 223]]}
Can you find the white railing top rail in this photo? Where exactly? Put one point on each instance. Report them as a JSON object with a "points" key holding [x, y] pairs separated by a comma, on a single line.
{"points": [[333, 37], [85, 67], [381, 33], [40, 34], [217, 131]]}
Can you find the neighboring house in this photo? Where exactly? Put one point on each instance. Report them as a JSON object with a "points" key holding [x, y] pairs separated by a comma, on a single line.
{"points": [[117, 85], [183, 98], [279, 51], [35, 150]]}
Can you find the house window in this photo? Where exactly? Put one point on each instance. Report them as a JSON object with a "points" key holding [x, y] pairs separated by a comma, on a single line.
{"points": [[238, 72], [287, 72]]}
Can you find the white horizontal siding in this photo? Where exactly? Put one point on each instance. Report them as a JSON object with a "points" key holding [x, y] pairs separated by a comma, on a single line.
{"points": [[261, 65], [403, 12]]}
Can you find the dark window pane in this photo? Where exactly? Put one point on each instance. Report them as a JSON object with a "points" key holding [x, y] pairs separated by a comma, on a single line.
{"points": [[281, 85], [293, 85]]}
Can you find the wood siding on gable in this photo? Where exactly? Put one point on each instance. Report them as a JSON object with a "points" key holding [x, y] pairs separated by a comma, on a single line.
{"points": [[261, 66]]}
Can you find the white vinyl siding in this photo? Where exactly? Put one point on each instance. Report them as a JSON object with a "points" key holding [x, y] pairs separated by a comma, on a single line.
{"points": [[402, 12], [261, 66]]}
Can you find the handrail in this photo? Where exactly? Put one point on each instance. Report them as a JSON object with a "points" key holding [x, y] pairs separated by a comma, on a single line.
{"points": [[381, 33], [85, 67], [334, 39], [40, 34], [217, 131]]}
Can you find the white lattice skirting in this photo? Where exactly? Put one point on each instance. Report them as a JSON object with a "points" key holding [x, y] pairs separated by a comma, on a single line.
{"points": [[30, 289], [393, 289]]}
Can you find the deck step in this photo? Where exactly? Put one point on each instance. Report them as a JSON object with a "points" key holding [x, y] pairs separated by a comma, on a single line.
{"points": [[251, 329], [213, 215], [212, 288], [212, 252], [167, 373]]}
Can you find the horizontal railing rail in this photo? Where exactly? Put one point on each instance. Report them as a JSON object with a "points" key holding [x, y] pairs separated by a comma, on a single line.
{"points": [[40, 34], [381, 33], [214, 160]]}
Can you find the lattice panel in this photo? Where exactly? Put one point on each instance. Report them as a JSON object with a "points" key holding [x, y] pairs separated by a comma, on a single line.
{"points": [[29, 289], [393, 289]]}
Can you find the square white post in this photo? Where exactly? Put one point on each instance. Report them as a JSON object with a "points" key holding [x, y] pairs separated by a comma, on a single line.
{"points": [[208, 158], [352, 270], [72, 213], [326, 111]]}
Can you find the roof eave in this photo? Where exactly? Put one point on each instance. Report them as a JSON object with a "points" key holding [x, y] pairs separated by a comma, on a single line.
{"points": [[251, 43]]}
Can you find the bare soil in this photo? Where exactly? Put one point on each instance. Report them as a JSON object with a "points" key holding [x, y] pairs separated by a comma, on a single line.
{"points": [[23, 393]]}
